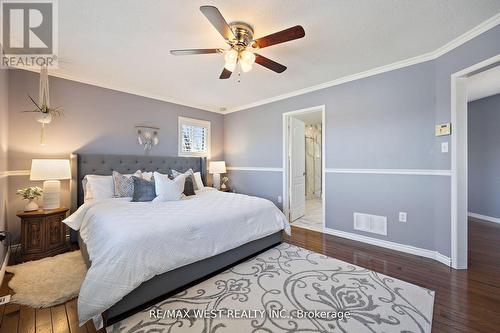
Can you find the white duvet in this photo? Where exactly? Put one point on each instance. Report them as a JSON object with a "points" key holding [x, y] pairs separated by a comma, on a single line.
{"points": [[130, 242]]}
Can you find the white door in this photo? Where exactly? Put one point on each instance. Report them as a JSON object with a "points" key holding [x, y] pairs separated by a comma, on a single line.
{"points": [[297, 153]]}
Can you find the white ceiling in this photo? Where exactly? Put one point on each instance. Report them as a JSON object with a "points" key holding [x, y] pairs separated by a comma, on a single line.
{"points": [[484, 84], [124, 44]]}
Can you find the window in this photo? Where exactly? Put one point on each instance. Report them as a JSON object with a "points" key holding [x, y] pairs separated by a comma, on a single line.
{"points": [[194, 137]]}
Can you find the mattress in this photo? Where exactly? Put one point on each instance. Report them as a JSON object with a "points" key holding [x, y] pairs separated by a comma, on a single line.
{"points": [[131, 242]]}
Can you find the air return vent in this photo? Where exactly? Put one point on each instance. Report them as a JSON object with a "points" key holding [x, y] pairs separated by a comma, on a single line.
{"points": [[370, 223]]}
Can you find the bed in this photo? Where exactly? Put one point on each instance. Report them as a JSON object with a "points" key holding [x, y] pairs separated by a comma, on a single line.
{"points": [[139, 253]]}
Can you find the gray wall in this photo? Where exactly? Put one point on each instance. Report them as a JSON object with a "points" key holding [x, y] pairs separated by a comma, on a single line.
{"points": [[484, 156], [384, 121], [4, 98], [96, 120]]}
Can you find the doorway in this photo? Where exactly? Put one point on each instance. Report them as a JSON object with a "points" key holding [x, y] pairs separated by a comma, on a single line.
{"points": [[459, 159], [304, 167]]}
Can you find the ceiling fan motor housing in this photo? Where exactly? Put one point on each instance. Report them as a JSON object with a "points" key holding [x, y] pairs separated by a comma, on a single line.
{"points": [[243, 33]]}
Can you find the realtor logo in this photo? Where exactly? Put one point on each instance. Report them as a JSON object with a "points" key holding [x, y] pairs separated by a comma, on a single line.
{"points": [[29, 33]]}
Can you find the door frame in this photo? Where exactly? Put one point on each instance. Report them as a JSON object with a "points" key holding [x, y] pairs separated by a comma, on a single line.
{"points": [[286, 164], [459, 169]]}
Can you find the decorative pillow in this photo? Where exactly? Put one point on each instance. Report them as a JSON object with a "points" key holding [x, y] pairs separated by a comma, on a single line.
{"points": [[98, 187], [189, 178], [198, 180], [147, 175], [144, 190], [168, 189], [124, 184], [189, 187]]}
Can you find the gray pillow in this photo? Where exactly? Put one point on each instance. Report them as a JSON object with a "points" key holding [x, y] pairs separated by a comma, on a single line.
{"points": [[124, 185], [144, 190], [189, 174]]}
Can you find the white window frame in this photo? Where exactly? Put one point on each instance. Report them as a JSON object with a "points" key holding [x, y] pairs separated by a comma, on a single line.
{"points": [[193, 122]]}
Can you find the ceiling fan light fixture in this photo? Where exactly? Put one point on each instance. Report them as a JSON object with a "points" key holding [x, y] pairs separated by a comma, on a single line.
{"points": [[247, 57], [245, 67], [231, 56]]}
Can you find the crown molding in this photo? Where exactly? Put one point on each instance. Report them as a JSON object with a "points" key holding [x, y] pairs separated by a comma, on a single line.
{"points": [[460, 40], [467, 36]]}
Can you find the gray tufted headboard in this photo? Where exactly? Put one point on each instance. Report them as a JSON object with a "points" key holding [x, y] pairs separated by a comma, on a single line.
{"points": [[86, 164]]}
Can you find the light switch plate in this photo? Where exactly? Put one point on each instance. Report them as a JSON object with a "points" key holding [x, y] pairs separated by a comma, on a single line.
{"points": [[444, 147], [443, 129], [402, 217]]}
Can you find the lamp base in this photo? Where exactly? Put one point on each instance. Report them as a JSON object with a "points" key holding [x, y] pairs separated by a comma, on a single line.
{"points": [[216, 181], [51, 194]]}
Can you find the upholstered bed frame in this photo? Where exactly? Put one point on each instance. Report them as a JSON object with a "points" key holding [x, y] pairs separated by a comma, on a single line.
{"points": [[169, 283]]}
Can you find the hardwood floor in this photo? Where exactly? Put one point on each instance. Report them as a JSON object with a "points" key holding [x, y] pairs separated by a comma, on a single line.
{"points": [[466, 301]]}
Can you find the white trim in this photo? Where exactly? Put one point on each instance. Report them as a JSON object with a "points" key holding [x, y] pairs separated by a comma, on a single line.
{"points": [[409, 172], [255, 169], [194, 122], [285, 118], [413, 172], [11, 173], [391, 245], [459, 185], [467, 36], [484, 217]]}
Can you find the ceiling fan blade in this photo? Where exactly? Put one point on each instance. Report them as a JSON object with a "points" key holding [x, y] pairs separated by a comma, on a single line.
{"points": [[269, 64], [225, 74], [218, 21], [195, 51], [280, 37]]}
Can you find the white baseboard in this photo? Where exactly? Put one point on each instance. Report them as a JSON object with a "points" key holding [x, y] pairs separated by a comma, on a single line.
{"points": [[484, 217], [391, 245]]}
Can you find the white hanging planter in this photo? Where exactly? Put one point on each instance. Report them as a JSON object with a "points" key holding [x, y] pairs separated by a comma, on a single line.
{"points": [[44, 118]]}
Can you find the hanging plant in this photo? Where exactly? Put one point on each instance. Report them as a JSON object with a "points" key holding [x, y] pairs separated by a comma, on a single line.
{"points": [[47, 114]]}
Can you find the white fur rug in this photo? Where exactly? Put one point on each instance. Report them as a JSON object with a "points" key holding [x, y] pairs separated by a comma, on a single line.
{"points": [[48, 281]]}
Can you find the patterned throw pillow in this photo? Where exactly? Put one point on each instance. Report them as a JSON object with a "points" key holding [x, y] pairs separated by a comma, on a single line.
{"points": [[189, 174], [143, 190], [124, 185]]}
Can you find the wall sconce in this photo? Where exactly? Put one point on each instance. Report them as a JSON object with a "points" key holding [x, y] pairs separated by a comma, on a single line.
{"points": [[147, 136]]}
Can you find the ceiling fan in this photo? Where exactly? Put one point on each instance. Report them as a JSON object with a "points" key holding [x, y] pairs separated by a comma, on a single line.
{"points": [[239, 36]]}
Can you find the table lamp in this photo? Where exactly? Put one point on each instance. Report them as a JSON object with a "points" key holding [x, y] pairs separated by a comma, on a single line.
{"points": [[51, 171], [216, 168]]}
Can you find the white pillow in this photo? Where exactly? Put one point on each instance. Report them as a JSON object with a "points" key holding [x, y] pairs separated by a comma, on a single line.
{"points": [[198, 180], [146, 175], [168, 189], [99, 187]]}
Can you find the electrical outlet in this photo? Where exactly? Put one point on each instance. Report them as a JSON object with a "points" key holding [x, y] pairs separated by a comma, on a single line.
{"points": [[279, 199], [444, 147], [402, 217]]}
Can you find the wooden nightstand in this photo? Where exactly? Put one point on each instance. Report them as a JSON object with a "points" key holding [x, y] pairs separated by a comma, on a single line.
{"points": [[42, 233]]}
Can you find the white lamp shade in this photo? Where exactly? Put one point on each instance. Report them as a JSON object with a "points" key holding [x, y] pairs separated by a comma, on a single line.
{"points": [[217, 167], [50, 169]]}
